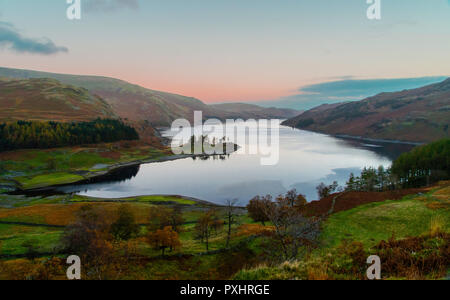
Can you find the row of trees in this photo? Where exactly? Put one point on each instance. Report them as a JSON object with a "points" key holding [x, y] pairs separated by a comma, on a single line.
{"points": [[26, 134], [424, 165], [373, 180], [106, 243], [420, 167]]}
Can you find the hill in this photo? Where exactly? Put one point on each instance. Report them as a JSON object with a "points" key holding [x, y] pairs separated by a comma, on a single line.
{"points": [[248, 111], [138, 104], [418, 115], [48, 99]]}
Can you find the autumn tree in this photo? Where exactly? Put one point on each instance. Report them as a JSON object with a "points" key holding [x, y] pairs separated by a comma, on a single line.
{"points": [[161, 217], [163, 239], [90, 223], [125, 226], [206, 225], [257, 208], [294, 199], [176, 219], [89, 237]]}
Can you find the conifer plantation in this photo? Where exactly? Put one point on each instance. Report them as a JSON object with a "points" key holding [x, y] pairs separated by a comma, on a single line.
{"points": [[43, 135]]}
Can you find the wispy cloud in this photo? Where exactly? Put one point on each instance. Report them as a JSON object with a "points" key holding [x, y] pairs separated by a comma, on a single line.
{"points": [[110, 5], [12, 39]]}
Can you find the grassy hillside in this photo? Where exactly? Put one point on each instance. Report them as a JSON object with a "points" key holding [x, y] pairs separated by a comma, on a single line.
{"points": [[136, 103], [418, 115], [420, 222], [48, 99], [410, 235], [43, 222]]}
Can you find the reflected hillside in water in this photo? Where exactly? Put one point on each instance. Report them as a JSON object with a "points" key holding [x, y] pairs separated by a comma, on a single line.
{"points": [[383, 149]]}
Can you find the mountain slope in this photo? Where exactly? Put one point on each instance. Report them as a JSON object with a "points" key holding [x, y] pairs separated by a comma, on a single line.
{"points": [[136, 103], [249, 111], [48, 99], [418, 115]]}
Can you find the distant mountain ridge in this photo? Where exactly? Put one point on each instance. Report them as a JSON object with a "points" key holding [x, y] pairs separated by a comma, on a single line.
{"points": [[248, 111], [417, 115], [347, 90], [138, 104]]}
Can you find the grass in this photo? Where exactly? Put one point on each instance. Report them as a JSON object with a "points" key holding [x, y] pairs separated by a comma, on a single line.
{"points": [[40, 168], [40, 181], [375, 222], [15, 201], [409, 218], [61, 214], [141, 199], [12, 239]]}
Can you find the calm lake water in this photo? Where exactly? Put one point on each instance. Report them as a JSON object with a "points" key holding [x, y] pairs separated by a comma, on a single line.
{"points": [[306, 159]]}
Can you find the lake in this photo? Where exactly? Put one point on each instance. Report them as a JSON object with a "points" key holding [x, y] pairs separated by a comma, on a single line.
{"points": [[305, 160]]}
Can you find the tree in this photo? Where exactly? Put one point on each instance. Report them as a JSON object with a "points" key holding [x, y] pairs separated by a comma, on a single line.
{"points": [[369, 179], [293, 199], [205, 226], [161, 217], [291, 229], [163, 239], [90, 224], [24, 134], [424, 165], [89, 237], [176, 219], [257, 208], [231, 217], [125, 226], [351, 184], [324, 191]]}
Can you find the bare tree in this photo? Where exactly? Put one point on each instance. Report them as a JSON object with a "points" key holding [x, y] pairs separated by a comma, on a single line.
{"points": [[231, 217], [326, 190], [207, 223], [291, 229]]}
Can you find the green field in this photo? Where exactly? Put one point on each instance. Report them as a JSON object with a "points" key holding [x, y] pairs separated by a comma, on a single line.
{"points": [[141, 199], [375, 222], [30, 169], [412, 217], [13, 238]]}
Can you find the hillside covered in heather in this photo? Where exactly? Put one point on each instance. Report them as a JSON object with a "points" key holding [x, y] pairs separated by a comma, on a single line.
{"points": [[138, 104], [49, 100], [417, 115]]}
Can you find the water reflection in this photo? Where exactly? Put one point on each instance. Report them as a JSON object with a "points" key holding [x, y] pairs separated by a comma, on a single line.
{"points": [[306, 159]]}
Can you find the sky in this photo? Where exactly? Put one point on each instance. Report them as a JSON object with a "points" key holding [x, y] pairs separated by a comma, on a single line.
{"points": [[229, 50]]}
